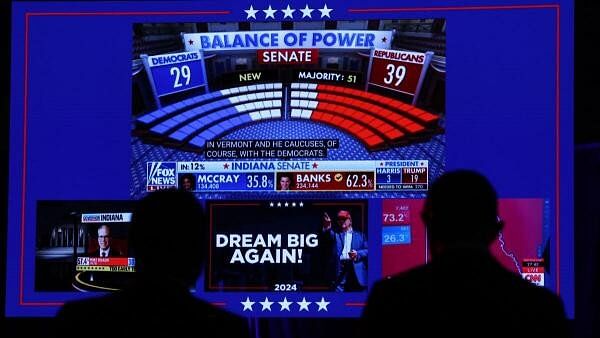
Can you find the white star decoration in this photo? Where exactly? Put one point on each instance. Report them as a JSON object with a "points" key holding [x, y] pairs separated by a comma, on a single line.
{"points": [[288, 12], [306, 12], [322, 304], [286, 204], [266, 305], [325, 11], [303, 304], [285, 305], [270, 12], [251, 12], [247, 304]]}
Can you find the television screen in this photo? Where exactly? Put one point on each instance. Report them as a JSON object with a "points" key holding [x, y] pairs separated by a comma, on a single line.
{"points": [[292, 123], [81, 250]]}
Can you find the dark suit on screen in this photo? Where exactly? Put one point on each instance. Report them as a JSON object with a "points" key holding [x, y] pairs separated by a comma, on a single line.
{"points": [[111, 253], [348, 270]]}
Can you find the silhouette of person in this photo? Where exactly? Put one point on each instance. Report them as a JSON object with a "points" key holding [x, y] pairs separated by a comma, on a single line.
{"points": [[350, 253], [463, 291], [167, 239], [105, 247]]}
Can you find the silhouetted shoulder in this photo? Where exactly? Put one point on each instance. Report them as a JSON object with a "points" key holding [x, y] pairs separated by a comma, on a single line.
{"points": [[455, 300], [126, 315]]}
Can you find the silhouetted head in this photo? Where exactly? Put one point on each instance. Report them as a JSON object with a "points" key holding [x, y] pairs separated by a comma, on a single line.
{"points": [[461, 210], [167, 236]]}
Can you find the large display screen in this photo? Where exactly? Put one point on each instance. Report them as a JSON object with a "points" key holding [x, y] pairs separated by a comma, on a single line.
{"points": [[293, 123]]}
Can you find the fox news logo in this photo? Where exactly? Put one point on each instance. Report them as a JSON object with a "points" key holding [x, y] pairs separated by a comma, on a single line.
{"points": [[161, 175]]}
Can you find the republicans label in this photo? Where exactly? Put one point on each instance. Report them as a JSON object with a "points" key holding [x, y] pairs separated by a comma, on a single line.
{"points": [[397, 70]]}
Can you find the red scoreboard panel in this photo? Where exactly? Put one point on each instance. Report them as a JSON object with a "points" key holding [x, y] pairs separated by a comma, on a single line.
{"points": [[397, 70]]}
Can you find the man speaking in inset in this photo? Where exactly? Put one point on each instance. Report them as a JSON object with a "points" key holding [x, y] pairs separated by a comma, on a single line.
{"points": [[105, 249]]}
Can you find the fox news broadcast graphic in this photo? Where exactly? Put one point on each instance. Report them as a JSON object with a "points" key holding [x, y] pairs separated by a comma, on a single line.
{"points": [[83, 246], [310, 132], [251, 176]]}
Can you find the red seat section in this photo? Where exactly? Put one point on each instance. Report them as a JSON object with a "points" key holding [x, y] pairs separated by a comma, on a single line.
{"points": [[389, 131], [364, 134], [368, 99], [361, 109]]}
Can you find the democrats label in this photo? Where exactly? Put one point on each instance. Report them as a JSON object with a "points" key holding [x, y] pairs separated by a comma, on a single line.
{"points": [[177, 72], [339, 39]]}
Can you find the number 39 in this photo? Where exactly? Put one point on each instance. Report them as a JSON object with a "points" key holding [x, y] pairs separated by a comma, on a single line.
{"points": [[394, 72], [184, 72]]}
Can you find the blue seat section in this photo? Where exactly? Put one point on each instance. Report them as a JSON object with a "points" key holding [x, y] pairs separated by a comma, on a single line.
{"points": [[225, 119], [163, 112], [172, 122], [177, 120], [155, 116], [185, 131], [196, 120], [210, 133]]}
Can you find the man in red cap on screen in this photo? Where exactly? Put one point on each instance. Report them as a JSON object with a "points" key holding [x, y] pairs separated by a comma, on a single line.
{"points": [[350, 253]]}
